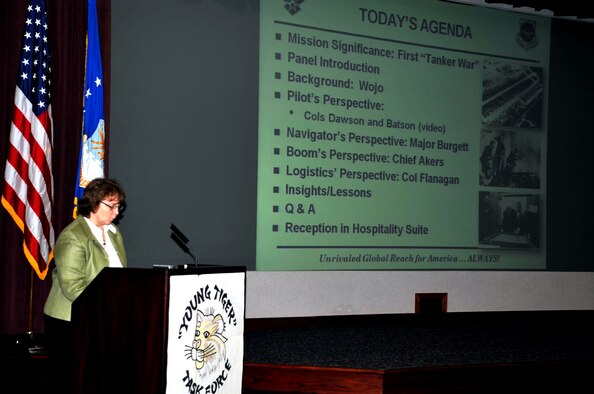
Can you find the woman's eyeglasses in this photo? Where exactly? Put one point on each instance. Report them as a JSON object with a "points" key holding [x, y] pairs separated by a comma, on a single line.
{"points": [[119, 207]]}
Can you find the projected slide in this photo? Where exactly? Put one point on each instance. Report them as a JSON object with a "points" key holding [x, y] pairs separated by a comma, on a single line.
{"points": [[401, 135]]}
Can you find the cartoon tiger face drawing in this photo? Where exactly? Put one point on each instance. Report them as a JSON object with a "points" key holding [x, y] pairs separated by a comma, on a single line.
{"points": [[208, 350]]}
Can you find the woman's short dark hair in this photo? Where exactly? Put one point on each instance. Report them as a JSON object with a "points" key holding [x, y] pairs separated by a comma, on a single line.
{"points": [[96, 191]]}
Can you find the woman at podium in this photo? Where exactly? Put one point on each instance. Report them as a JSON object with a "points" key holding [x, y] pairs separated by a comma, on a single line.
{"points": [[86, 246]]}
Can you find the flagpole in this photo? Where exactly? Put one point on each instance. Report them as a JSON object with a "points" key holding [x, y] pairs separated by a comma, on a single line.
{"points": [[30, 307]]}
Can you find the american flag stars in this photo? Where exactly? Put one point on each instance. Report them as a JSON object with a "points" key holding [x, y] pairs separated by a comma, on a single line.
{"points": [[34, 69]]}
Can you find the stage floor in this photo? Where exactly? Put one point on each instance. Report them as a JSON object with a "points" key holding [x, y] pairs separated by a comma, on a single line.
{"points": [[383, 342], [470, 353]]}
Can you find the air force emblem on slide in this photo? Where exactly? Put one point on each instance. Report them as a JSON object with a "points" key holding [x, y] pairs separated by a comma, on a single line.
{"points": [[293, 6]]}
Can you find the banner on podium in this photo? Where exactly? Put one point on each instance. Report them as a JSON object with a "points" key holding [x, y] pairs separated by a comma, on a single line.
{"points": [[205, 339]]}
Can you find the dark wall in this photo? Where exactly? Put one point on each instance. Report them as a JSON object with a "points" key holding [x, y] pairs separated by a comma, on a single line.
{"points": [[184, 125], [570, 188], [184, 128]]}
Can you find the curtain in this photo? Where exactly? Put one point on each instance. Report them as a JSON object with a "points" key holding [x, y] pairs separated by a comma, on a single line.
{"points": [[22, 293]]}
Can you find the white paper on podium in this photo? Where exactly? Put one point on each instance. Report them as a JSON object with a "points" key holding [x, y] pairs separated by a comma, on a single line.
{"points": [[205, 338]]}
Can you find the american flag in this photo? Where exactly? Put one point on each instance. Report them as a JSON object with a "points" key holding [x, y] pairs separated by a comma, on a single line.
{"points": [[28, 182]]}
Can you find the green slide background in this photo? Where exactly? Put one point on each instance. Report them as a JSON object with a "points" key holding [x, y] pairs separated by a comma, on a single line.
{"points": [[426, 78]]}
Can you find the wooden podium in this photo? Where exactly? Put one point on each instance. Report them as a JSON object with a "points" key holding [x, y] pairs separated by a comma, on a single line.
{"points": [[161, 331]]}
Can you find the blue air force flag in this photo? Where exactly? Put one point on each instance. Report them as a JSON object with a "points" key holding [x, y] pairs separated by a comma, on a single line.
{"points": [[92, 146]]}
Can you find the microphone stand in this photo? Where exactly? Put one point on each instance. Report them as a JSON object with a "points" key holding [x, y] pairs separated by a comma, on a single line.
{"points": [[184, 243]]}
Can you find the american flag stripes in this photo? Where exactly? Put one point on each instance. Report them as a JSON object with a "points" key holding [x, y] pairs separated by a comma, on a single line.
{"points": [[28, 181]]}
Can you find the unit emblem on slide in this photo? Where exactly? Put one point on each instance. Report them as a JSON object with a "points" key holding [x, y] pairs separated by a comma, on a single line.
{"points": [[527, 37]]}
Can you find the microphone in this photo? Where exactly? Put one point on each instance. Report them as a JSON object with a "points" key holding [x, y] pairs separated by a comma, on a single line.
{"points": [[183, 242]]}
